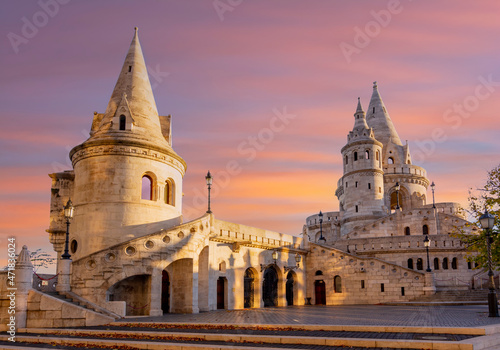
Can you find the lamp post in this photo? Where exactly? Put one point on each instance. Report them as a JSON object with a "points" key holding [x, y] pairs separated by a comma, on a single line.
{"points": [[68, 214], [487, 222], [427, 243], [209, 179], [398, 187], [432, 188], [321, 238], [297, 265]]}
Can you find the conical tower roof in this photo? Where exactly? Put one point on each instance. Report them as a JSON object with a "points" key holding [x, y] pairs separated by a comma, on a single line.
{"points": [[132, 96], [378, 118]]}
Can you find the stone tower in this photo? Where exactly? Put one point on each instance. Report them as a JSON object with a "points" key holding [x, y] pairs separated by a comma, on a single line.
{"points": [[126, 174], [396, 159], [361, 188]]}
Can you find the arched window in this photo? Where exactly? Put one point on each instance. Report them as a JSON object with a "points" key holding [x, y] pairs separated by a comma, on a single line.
{"points": [[123, 121], [337, 284], [454, 263], [319, 273], [390, 160], [355, 156], [147, 188], [367, 154], [170, 192], [378, 158], [420, 264], [436, 264], [410, 264], [407, 231], [445, 264], [347, 159], [425, 230]]}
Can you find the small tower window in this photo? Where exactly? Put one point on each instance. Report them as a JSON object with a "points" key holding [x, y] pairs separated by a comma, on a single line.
{"points": [[373, 109], [170, 192], [380, 190], [123, 121], [425, 230], [410, 264], [130, 68], [407, 231], [454, 263], [369, 186], [445, 264], [355, 156], [436, 263], [346, 184], [390, 160], [420, 264], [346, 159], [357, 208], [147, 188], [356, 185], [367, 154]]}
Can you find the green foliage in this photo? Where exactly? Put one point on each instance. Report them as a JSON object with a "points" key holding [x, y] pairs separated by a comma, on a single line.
{"points": [[487, 198]]}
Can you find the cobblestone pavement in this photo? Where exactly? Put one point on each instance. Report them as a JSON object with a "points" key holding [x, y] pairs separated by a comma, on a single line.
{"points": [[367, 315]]}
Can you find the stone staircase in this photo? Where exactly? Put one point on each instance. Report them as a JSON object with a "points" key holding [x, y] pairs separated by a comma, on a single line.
{"points": [[76, 300], [457, 296]]}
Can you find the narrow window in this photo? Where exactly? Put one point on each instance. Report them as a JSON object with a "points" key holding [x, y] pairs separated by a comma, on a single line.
{"points": [[130, 68], [390, 160], [369, 186], [445, 264], [337, 284], [373, 109], [403, 291], [356, 185], [469, 265], [454, 263], [436, 263], [123, 121], [377, 155], [147, 188], [346, 159], [355, 156], [407, 231], [425, 230], [356, 208], [410, 263], [346, 185], [170, 192], [420, 264], [362, 284], [367, 154], [382, 289], [380, 190]]}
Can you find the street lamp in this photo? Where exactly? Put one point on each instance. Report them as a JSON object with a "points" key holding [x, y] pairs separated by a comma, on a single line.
{"points": [[427, 243], [487, 222], [432, 188], [297, 265], [321, 238], [398, 187], [209, 179], [68, 214], [275, 256]]}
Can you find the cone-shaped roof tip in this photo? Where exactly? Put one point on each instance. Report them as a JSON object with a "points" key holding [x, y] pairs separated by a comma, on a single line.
{"points": [[359, 108], [375, 86]]}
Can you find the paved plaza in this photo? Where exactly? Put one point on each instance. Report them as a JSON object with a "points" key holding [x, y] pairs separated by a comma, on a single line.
{"points": [[369, 315]]}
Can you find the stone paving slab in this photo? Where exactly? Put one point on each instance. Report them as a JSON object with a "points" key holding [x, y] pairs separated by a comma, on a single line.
{"points": [[366, 315]]}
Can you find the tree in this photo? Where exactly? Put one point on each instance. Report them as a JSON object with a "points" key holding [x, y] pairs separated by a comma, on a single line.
{"points": [[486, 198]]}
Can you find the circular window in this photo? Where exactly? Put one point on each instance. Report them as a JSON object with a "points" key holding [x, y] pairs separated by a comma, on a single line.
{"points": [[130, 250], [110, 257], [362, 264], [91, 264], [406, 274], [166, 239], [73, 246], [180, 235], [383, 267], [417, 278], [149, 244]]}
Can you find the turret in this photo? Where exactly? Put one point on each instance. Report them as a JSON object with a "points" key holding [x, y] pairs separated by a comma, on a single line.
{"points": [[126, 174], [361, 188]]}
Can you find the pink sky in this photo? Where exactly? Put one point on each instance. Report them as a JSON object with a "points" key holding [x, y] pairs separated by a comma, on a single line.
{"points": [[223, 77]]}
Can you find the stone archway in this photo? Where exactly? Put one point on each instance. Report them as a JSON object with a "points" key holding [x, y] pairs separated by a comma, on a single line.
{"points": [[290, 287], [270, 287], [165, 292], [135, 291], [248, 288]]}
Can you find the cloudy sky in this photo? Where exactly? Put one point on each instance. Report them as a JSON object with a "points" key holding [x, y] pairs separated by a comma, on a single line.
{"points": [[267, 88]]}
